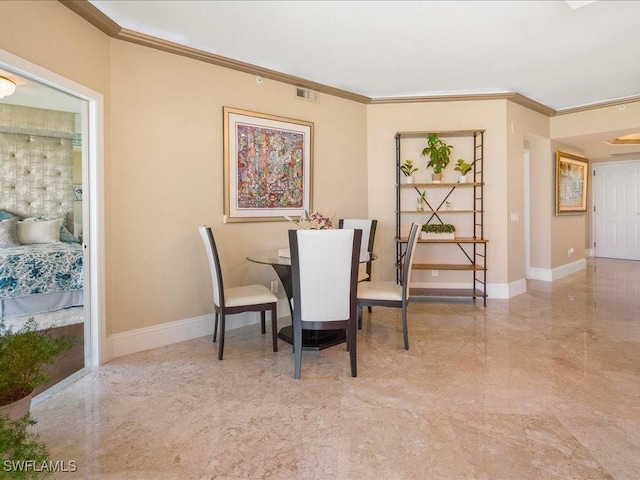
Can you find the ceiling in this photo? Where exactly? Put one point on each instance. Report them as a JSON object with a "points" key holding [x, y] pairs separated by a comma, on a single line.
{"points": [[560, 54]]}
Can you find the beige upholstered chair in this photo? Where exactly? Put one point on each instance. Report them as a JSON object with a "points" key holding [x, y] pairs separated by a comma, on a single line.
{"points": [[324, 269], [389, 294], [368, 228], [229, 301]]}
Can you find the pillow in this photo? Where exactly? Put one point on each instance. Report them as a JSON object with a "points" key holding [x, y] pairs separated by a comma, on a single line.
{"points": [[9, 233], [47, 231], [4, 215], [65, 234]]}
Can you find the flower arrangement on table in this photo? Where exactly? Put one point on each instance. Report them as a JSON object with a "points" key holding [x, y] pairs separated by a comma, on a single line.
{"points": [[313, 221]]}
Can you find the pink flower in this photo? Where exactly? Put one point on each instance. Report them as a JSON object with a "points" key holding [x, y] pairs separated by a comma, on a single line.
{"points": [[313, 221]]}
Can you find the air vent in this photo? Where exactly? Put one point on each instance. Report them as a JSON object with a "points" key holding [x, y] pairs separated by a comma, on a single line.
{"points": [[306, 94]]}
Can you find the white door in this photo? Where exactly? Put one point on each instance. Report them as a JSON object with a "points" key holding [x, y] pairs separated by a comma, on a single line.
{"points": [[616, 191]]}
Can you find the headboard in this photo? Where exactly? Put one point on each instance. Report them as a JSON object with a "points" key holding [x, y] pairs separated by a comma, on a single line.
{"points": [[36, 161]]}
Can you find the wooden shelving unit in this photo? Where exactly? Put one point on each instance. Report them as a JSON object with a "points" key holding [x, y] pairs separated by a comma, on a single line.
{"points": [[473, 248]]}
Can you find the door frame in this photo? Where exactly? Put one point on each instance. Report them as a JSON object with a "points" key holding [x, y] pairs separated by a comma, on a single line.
{"points": [[93, 210]]}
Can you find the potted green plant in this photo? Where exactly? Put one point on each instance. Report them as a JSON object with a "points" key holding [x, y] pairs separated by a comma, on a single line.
{"points": [[437, 231], [462, 167], [25, 355], [21, 450], [439, 153], [408, 169]]}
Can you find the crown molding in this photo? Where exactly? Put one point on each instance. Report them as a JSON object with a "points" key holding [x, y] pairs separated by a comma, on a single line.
{"points": [[511, 96], [103, 23], [594, 106]]}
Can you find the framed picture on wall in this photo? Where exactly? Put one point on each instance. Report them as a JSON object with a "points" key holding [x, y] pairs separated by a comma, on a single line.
{"points": [[572, 175], [268, 163]]}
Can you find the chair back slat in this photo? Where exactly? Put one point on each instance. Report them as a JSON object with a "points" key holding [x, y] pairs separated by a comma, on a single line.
{"points": [[368, 234], [206, 233], [408, 259]]}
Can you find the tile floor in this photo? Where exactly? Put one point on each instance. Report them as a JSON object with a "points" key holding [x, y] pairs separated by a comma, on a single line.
{"points": [[545, 385]]}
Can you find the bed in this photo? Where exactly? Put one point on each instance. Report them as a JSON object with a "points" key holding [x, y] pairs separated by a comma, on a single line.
{"points": [[43, 276], [41, 262]]}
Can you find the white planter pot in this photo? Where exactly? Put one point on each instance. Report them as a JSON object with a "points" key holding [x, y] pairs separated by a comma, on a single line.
{"points": [[408, 179], [462, 179], [437, 236], [17, 409]]}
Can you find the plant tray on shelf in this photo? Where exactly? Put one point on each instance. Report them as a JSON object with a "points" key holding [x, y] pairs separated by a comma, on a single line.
{"points": [[437, 236]]}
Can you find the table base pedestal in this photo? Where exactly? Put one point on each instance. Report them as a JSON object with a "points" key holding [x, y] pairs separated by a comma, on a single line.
{"points": [[314, 339]]}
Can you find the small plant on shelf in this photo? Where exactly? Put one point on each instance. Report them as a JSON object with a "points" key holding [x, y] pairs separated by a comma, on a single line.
{"points": [[408, 169], [462, 167], [439, 153], [438, 231], [438, 228], [422, 198]]}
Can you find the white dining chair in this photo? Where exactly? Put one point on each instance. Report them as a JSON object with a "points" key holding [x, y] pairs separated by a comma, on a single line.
{"points": [[368, 227], [234, 300], [324, 269], [390, 294]]}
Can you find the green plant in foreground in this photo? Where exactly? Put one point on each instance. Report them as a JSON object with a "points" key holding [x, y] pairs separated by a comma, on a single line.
{"points": [[24, 356], [21, 449]]}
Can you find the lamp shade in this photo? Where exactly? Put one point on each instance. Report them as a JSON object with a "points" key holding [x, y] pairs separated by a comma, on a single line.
{"points": [[7, 87]]}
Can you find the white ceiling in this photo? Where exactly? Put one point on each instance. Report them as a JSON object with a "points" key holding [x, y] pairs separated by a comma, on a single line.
{"points": [[561, 54], [549, 51]]}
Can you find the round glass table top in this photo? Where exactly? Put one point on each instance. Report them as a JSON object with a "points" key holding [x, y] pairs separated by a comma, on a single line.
{"points": [[272, 257]]}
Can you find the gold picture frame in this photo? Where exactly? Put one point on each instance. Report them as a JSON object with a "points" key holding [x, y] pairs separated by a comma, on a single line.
{"points": [[572, 182], [268, 166]]}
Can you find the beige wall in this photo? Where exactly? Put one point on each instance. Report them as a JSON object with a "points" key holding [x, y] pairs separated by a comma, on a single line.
{"points": [[525, 126], [166, 179], [383, 121]]}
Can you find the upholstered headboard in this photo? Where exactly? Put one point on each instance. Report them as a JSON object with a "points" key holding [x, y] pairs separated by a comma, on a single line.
{"points": [[36, 161]]}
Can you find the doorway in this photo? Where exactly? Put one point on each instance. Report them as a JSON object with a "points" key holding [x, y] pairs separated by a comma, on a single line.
{"points": [[616, 216], [90, 114]]}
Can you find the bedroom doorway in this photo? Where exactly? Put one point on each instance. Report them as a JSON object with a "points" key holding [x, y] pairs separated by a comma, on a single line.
{"points": [[48, 91]]}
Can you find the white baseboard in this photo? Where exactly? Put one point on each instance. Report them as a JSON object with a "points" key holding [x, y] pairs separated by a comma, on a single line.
{"points": [[141, 339], [506, 290], [549, 275]]}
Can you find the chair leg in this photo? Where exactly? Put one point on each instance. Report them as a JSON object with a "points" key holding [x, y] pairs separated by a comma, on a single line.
{"points": [[274, 327], [215, 327], [297, 350], [221, 344], [352, 349], [404, 327], [262, 321], [359, 317]]}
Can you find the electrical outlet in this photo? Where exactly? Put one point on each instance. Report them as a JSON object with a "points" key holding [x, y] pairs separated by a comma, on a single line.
{"points": [[434, 273], [570, 252], [274, 286]]}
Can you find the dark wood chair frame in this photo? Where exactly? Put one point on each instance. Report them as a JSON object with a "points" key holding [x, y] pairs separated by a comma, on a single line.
{"points": [[350, 325], [221, 311], [406, 269]]}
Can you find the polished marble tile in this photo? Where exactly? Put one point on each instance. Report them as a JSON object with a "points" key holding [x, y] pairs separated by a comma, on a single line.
{"points": [[545, 385]]}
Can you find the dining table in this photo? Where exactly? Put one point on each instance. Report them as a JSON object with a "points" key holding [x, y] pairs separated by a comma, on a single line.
{"points": [[281, 264]]}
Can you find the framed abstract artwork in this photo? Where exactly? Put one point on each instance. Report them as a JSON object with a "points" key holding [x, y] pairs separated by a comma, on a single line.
{"points": [[268, 164], [572, 175]]}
